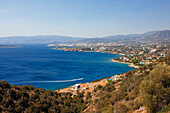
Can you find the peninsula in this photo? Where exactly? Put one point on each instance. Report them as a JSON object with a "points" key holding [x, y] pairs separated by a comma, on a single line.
{"points": [[8, 46]]}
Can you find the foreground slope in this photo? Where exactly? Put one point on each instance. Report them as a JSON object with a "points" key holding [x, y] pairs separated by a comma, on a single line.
{"points": [[142, 90]]}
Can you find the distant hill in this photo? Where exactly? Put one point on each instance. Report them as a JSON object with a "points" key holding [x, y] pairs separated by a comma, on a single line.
{"points": [[153, 36], [116, 38], [36, 39], [158, 36]]}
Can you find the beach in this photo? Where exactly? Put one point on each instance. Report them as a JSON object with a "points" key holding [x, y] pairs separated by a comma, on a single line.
{"points": [[129, 64]]}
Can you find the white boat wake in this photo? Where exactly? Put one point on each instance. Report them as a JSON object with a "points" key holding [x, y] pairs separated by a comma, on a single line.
{"points": [[50, 81]]}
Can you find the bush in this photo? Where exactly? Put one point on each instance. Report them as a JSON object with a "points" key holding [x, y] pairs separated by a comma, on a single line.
{"points": [[4, 84], [134, 105], [11, 93], [108, 87], [165, 109], [154, 91], [120, 108], [88, 96], [98, 87]]}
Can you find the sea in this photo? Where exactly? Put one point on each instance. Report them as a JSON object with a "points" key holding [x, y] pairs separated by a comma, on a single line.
{"points": [[46, 68]]}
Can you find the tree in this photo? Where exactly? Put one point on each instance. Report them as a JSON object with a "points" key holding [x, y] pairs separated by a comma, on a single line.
{"points": [[4, 84], [120, 108], [11, 93], [135, 61], [155, 91]]}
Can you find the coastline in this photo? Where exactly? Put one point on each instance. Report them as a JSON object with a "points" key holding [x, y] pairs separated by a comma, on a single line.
{"points": [[100, 51], [109, 52], [90, 86], [129, 64]]}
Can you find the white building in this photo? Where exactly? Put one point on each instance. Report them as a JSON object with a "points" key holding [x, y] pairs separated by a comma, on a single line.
{"points": [[141, 53], [76, 87], [125, 59], [146, 63], [102, 48], [148, 58], [153, 50], [115, 78], [162, 54]]}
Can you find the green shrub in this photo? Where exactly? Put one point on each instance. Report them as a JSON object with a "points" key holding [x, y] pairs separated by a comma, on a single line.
{"points": [[120, 108], [4, 84], [155, 90], [165, 109], [88, 96]]}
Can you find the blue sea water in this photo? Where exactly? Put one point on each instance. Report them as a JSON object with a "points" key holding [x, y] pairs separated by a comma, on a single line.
{"points": [[43, 67]]}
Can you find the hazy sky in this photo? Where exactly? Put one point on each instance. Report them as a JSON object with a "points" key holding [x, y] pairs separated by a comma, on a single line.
{"points": [[82, 18]]}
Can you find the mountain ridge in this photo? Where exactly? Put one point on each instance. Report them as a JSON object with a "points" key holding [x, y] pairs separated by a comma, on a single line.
{"points": [[131, 38], [158, 36], [44, 39], [152, 36]]}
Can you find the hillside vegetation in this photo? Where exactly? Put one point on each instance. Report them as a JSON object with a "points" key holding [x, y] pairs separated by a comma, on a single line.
{"points": [[146, 88], [143, 89]]}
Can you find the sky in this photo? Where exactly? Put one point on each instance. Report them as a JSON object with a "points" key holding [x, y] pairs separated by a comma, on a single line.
{"points": [[82, 18]]}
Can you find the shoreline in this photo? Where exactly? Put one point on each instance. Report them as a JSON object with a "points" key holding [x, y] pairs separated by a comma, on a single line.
{"points": [[89, 86], [129, 64], [99, 51]]}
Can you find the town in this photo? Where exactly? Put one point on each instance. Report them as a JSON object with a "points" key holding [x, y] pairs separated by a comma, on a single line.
{"points": [[137, 54]]}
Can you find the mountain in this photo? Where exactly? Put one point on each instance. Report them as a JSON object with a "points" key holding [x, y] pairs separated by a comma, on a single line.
{"points": [[156, 37], [153, 36], [36, 39], [131, 38]]}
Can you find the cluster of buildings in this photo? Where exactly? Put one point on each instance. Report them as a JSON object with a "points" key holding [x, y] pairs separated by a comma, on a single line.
{"points": [[138, 54], [144, 54], [115, 78]]}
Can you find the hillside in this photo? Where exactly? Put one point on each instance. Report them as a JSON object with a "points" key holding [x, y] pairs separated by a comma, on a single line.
{"points": [[156, 37], [143, 89]]}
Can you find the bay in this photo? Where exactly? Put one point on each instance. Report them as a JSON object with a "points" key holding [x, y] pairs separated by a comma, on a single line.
{"points": [[43, 67]]}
